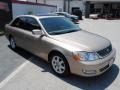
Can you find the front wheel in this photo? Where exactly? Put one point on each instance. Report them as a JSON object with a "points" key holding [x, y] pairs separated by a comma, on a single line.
{"points": [[59, 64]]}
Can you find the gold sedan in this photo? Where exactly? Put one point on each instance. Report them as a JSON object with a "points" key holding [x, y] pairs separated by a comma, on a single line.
{"points": [[62, 43]]}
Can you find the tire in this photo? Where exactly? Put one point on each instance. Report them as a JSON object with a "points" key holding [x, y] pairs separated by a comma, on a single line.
{"points": [[59, 64], [12, 43]]}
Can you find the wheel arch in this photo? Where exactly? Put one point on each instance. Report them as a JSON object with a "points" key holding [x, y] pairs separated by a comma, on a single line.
{"points": [[53, 52], [59, 52]]}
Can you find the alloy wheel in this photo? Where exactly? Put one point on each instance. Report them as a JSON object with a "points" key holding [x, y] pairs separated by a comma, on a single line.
{"points": [[58, 64], [12, 43]]}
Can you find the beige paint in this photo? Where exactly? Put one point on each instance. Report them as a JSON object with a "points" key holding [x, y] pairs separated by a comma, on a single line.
{"points": [[66, 44]]}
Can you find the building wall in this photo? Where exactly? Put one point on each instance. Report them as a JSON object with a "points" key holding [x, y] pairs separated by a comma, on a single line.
{"points": [[58, 3], [103, 0], [98, 5], [22, 9], [77, 3], [5, 12], [38, 1]]}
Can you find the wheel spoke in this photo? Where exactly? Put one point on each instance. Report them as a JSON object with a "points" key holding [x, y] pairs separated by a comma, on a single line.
{"points": [[62, 67], [58, 59], [60, 70], [57, 69], [61, 62]]}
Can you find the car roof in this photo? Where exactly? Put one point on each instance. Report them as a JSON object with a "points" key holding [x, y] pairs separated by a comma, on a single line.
{"points": [[39, 16]]}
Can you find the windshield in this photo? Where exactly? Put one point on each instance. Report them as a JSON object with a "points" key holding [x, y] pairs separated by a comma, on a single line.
{"points": [[59, 25]]}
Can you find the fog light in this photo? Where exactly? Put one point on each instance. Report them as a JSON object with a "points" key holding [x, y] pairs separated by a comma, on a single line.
{"points": [[89, 71]]}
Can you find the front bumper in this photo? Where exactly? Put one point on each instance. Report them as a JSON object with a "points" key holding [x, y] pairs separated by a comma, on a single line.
{"points": [[92, 68]]}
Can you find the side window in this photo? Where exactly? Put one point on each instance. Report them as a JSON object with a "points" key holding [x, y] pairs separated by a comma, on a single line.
{"points": [[18, 22], [31, 24]]}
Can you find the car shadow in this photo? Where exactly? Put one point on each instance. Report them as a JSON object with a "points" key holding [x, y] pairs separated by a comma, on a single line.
{"points": [[90, 83], [87, 83], [94, 83], [25, 54]]}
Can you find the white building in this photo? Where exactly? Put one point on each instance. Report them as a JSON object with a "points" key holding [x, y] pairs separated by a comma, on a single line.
{"points": [[86, 6], [64, 5], [22, 8], [103, 6]]}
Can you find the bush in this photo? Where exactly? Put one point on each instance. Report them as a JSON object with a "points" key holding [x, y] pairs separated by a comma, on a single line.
{"points": [[1, 31]]}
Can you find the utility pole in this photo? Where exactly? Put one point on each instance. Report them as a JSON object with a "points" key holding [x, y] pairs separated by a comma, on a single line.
{"points": [[64, 5], [36, 1], [68, 6]]}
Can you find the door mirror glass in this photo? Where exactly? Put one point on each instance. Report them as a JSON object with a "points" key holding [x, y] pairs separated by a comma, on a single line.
{"points": [[37, 32]]}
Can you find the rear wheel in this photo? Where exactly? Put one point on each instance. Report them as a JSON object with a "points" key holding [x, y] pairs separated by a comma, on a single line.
{"points": [[59, 64], [12, 43]]}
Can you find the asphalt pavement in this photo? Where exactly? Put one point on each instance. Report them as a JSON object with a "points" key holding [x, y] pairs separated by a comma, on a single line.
{"points": [[9, 59]]}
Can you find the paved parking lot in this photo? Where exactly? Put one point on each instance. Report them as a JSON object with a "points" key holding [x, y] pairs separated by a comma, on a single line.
{"points": [[9, 60], [20, 70]]}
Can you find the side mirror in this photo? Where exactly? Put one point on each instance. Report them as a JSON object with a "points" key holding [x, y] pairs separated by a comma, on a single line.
{"points": [[37, 32]]}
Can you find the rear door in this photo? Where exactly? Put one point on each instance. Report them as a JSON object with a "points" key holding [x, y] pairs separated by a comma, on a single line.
{"points": [[17, 31]]}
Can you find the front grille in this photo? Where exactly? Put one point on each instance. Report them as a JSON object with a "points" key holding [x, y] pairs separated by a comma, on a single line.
{"points": [[105, 51]]}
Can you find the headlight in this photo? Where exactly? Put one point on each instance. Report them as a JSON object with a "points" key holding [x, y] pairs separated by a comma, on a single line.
{"points": [[89, 56]]}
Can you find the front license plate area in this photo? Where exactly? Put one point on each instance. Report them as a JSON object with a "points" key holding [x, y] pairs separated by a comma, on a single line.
{"points": [[104, 68], [111, 61]]}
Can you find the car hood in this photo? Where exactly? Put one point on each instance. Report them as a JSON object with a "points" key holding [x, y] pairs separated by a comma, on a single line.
{"points": [[83, 40]]}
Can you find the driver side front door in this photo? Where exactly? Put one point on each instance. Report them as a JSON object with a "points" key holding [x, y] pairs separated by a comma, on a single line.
{"points": [[32, 43]]}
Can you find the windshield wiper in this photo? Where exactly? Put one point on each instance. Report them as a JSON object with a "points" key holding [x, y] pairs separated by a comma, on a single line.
{"points": [[62, 32], [71, 31], [55, 33]]}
